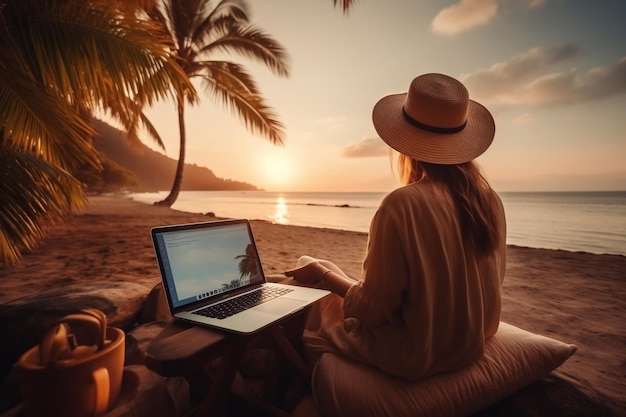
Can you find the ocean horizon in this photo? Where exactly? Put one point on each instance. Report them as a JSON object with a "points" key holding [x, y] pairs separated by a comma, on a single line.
{"points": [[591, 221]]}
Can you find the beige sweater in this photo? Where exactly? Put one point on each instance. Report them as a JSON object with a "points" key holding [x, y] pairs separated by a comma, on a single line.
{"points": [[425, 304]]}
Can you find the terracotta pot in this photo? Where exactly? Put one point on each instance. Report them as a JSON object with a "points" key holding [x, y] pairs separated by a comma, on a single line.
{"points": [[83, 387]]}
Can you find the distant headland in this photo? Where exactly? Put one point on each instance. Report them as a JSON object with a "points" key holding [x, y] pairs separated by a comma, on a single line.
{"points": [[155, 171]]}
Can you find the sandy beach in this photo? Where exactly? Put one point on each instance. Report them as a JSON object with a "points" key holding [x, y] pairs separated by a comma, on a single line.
{"points": [[575, 297]]}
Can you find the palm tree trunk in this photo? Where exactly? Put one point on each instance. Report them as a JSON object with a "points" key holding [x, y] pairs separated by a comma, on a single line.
{"points": [[178, 178]]}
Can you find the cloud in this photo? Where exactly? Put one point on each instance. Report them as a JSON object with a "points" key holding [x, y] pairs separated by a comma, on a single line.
{"points": [[501, 81], [606, 81], [469, 14], [463, 16], [530, 78], [365, 148]]}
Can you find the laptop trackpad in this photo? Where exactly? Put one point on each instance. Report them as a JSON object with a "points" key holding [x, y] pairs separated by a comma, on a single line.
{"points": [[281, 305]]}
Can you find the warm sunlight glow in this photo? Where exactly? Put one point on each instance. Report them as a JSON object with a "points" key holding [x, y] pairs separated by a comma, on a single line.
{"points": [[277, 173], [281, 213]]}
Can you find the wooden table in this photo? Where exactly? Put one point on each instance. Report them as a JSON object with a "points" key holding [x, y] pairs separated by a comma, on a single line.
{"points": [[182, 349]]}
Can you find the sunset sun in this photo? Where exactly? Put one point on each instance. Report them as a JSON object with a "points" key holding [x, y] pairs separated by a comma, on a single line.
{"points": [[277, 171]]}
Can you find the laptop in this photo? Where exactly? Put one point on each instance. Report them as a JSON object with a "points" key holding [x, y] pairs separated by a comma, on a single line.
{"points": [[212, 275]]}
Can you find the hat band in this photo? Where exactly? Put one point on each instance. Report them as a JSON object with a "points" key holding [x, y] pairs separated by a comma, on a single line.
{"points": [[429, 128]]}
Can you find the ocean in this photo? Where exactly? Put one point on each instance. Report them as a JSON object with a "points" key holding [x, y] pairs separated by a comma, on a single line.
{"points": [[574, 221]]}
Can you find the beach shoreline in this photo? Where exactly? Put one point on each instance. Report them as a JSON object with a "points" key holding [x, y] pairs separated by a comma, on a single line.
{"points": [[576, 297]]}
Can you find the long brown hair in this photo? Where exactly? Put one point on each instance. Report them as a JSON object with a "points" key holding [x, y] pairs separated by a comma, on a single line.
{"points": [[470, 192]]}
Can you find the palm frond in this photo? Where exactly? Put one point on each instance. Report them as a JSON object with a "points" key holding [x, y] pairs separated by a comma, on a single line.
{"points": [[43, 195], [41, 122], [180, 16], [232, 86], [76, 48], [344, 4], [152, 131], [250, 42], [76, 54], [235, 11]]}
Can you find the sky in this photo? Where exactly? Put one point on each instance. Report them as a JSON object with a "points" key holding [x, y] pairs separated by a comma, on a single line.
{"points": [[552, 73]]}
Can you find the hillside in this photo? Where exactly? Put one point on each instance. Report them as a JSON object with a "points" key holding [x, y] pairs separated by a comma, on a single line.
{"points": [[155, 171]]}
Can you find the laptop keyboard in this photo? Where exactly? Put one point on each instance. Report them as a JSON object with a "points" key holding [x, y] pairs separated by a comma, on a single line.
{"points": [[242, 302]]}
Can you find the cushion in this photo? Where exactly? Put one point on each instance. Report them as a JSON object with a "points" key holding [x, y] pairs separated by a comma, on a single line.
{"points": [[513, 359]]}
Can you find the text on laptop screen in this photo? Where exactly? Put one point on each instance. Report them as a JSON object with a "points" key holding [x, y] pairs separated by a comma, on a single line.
{"points": [[199, 263]]}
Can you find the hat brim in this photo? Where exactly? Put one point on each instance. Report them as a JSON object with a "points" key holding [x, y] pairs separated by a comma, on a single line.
{"points": [[437, 148]]}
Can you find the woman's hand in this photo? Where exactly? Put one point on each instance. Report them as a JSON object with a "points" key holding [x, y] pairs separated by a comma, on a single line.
{"points": [[308, 272]]}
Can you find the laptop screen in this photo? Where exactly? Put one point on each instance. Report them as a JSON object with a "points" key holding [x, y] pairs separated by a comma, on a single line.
{"points": [[204, 260]]}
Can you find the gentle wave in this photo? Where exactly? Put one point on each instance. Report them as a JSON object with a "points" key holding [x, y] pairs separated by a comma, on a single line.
{"points": [[329, 205]]}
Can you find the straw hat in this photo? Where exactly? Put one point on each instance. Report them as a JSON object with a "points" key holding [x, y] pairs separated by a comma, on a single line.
{"points": [[435, 121]]}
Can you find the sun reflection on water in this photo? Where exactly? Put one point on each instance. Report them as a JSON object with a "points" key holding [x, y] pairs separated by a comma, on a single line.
{"points": [[281, 212]]}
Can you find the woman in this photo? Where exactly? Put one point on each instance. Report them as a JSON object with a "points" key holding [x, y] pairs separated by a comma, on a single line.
{"points": [[429, 295]]}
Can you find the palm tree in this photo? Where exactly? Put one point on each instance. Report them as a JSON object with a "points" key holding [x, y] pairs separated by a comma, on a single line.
{"points": [[204, 30], [248, 264], [61, 60]]}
